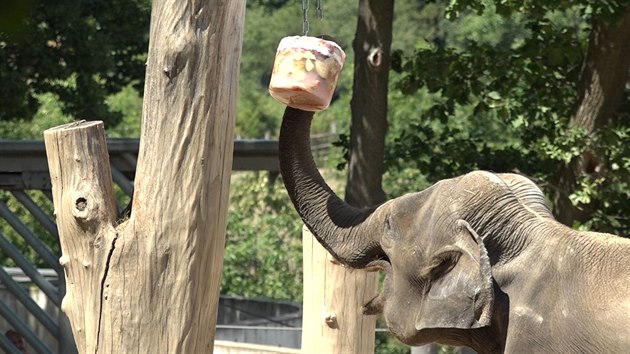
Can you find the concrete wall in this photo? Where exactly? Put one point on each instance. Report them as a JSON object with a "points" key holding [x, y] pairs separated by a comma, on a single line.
{"points": [[259, 321], [223, 347]]}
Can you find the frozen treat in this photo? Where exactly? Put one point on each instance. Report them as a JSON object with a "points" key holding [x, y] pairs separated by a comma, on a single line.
{"points": [[305, 72]]}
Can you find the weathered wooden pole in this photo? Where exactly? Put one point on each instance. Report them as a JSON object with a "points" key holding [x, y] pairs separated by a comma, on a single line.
{"points": [[150, 284], [344, 287], [333, 321]]}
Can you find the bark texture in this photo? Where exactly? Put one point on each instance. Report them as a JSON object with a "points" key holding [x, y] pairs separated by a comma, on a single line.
{"points": [[372, 47], [150, 284], [602, 89]]}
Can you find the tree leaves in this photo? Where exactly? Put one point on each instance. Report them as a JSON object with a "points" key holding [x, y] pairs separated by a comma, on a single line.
{"points": [[81, 51], [526, 88], [263, 256]]}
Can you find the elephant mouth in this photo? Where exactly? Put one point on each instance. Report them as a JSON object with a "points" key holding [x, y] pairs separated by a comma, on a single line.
{"points": [[376, 304], [382, 263]]}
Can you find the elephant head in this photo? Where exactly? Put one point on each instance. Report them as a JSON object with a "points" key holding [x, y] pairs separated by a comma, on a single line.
{"points": [[439, 278]]}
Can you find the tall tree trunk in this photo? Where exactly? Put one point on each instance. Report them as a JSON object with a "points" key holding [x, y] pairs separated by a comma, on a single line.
{"points": [[372, 47], [602, 87], [150, 284]]}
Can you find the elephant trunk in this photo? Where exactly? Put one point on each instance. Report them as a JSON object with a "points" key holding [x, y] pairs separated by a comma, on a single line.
{"points": [[343, 230]]}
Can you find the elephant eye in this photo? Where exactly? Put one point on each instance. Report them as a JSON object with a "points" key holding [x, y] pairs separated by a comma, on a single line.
{"points": [[387, 242], [440, 264], [388, 225]]}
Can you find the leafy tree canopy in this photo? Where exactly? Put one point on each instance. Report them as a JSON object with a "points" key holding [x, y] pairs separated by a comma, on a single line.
{"points": [[534, 8], [502, 100], [80, 51]]}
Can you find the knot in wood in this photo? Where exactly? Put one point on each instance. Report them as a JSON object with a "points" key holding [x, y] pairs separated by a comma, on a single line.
{"points": [[331, 320], [85, 211], [375, 58], [81, 208], [177, 58], [80, 204]]}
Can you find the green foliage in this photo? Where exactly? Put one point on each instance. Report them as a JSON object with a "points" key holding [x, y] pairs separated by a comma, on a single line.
{"points": [[81, 51], [48, 115], [534, 8], [607, 189], [502, 100], [128, 103], [25, 218], [263, 254]]}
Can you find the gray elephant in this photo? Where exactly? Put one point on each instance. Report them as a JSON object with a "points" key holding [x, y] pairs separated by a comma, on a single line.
{"points": [[477, 260]]}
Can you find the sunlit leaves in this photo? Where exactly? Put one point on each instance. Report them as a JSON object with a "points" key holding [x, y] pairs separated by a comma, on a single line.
{"points": [[526, 86], [97, 46], [263, 255]]}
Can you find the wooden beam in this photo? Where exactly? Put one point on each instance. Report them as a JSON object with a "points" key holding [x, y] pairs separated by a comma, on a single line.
{"points": [[23, 164]]}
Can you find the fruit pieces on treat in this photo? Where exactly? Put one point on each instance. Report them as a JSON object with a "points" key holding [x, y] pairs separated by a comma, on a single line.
{"points": [[305, 72]]}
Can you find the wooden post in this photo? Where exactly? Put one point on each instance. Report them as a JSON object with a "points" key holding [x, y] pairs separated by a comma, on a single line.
{"points": [[333, 297], [150, 284]]}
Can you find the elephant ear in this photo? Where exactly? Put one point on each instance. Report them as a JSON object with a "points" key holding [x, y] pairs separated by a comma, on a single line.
{"points": [[459, 290]]}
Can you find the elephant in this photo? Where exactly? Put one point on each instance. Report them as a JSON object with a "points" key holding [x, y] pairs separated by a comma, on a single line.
{"points": [[476, 260]]}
